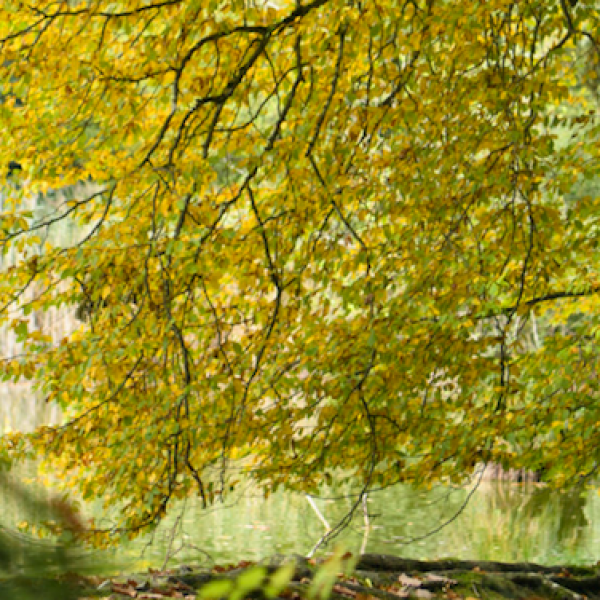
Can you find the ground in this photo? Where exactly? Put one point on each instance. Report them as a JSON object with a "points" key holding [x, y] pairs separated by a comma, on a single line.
{"points": [[374, 577]]}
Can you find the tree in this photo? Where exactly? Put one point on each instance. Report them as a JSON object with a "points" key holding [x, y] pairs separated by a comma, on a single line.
{"points": [[312, 237]]}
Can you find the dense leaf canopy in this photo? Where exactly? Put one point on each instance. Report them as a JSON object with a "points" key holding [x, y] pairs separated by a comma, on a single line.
{"points": [[337, 238]]}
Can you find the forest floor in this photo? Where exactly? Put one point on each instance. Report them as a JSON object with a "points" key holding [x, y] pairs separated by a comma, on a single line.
{"points": [[374, 577]]}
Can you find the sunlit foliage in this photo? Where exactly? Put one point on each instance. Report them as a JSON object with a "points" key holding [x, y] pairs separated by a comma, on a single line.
{"points": [[314, 241]]}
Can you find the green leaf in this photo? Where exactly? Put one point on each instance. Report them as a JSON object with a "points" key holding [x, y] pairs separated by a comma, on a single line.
{"points": [[279, 580], [214, 590]]}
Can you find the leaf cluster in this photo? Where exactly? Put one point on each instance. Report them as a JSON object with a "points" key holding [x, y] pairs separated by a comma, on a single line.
{"points": [[307, 239]]}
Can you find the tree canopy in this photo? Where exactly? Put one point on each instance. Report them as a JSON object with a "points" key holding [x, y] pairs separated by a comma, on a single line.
{"points": [[331, 239]]}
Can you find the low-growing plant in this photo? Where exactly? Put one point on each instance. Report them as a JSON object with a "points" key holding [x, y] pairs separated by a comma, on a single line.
{"points": [[256, 583]]}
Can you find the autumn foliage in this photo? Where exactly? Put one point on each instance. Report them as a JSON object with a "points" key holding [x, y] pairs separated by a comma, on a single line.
{"points": [[314, 239]]}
